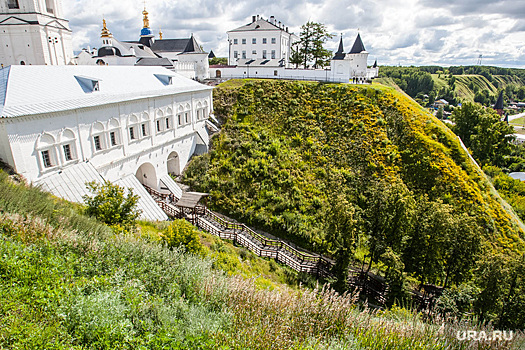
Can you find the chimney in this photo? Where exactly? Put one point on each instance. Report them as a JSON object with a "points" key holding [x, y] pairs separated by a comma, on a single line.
{"points": [[279, 24], [272, 19], [257, 17], [286, 29], [253, 19]]}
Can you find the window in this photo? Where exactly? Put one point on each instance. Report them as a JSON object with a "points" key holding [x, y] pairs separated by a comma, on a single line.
{"points": [[235, 41], [254, 41], [98, 144], [275, 72], [167, 123], [132, 135], [49, 6], [273, 54], [158, 126], [187, 117], [264, 54], [235, 54], [274, 41], [179, 117], [254, 52], [46, 158], [67, 153], [13, 4], [244, 55], [113, 138], [264, 40], [144, 129], [244, 41]]}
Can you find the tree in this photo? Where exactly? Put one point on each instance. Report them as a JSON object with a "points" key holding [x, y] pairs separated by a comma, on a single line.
{"points": [[218, 60], [439, 113], [181, 233], [312, 37], [112, 206], [295, 56], [483, 133]]}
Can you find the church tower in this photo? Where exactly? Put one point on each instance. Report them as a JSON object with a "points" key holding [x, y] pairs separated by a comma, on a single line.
{"points": [[146, 35], [34, 32]]}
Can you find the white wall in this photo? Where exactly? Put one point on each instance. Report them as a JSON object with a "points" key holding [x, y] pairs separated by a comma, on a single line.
{"points": [[113, 162], [281, 46]]}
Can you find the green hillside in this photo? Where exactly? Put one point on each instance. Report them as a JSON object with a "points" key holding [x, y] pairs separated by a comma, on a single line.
{"points": [[68, 282], [283, 143]]}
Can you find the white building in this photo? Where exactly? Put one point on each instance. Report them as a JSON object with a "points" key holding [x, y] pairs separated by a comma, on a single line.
{"points": [[260, 40], [183, 56], [34, 32], [348, 67], [63, 126]]}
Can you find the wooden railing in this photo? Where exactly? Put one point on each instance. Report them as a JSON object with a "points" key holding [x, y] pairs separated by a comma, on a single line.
{"points": [[244, 236]]}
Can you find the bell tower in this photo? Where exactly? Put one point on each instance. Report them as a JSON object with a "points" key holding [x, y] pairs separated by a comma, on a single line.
{"points": [[34, 32]]}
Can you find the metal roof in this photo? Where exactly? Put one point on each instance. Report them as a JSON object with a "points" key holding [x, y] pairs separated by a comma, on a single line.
{"points": [[150, 209], [190, 199], [172, 186], [358, 45], [34, 90], [260, 24], [70, 183]]}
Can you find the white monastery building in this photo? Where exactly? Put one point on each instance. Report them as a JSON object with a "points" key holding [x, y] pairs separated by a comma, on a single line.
{"points": [[261, 49], [261, 40], [62, 126], [183, 56], [34, 32]]}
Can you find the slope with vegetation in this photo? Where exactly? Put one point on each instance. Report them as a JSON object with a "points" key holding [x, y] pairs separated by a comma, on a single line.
{"points": [[345, 169], [457, 84], [68, 281]]}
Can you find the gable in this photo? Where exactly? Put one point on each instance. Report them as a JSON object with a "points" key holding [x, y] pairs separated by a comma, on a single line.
{"points": [[56, 24], [16, 21]]}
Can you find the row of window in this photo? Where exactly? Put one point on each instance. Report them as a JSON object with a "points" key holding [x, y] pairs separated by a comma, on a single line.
{"points": [[54, 153], [254, 53], [254, 41]]}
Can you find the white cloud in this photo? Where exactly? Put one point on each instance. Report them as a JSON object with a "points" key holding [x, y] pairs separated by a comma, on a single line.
{"points": [[410, 32]]}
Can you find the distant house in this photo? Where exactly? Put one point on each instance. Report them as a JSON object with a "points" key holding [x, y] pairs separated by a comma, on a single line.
{"points": [[440, 103]]}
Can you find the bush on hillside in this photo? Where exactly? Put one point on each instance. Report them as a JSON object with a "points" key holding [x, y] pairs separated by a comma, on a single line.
{"points": [[111, 205], [181, 233]]}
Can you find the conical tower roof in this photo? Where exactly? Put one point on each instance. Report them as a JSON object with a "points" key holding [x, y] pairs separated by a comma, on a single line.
{"points": [[358, 45], [340, 54]]}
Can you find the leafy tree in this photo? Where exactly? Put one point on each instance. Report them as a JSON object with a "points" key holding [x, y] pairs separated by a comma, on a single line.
{"points": [[181, 233], [439, 113], [312, 37], [483, 133], [295, 56], [218, 60], [111, 205]]}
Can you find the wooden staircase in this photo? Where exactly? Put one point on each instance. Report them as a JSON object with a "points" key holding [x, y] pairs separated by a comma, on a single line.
{"points": [[244, 236]]}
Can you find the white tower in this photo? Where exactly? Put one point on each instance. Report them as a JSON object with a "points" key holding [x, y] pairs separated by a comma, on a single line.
{"points": [[34, 32]]}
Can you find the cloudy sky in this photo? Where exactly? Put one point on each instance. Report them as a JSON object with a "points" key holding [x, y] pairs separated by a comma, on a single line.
{"points": [[406, 32]]}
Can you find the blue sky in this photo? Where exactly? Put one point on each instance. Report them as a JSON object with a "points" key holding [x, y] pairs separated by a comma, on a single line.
{"points": [[406, 32]]}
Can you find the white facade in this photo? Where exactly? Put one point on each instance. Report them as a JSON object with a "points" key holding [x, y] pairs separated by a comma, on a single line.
{"points": [[261, 39], [34, 32], [140, 121], [348, 67]]}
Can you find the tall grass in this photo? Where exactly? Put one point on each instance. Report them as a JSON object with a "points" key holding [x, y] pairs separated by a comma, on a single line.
{"points": [[63, 287]]}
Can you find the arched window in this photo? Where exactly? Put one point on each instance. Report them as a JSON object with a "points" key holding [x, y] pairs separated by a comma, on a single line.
{"points": [[46, 149], [205, 110], [180, 116], [144, 125], [199, 111], [98, 137], [133, 128], [168, 118], [68, 146], [160, 125], [187, 114], [114, 136]]}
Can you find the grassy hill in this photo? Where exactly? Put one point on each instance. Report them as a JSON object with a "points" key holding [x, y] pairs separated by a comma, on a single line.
{"points": [[68, 282], [283, 142]]}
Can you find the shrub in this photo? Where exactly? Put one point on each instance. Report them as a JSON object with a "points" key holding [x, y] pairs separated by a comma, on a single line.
{"points": [[112, 206], [181, 233]]}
